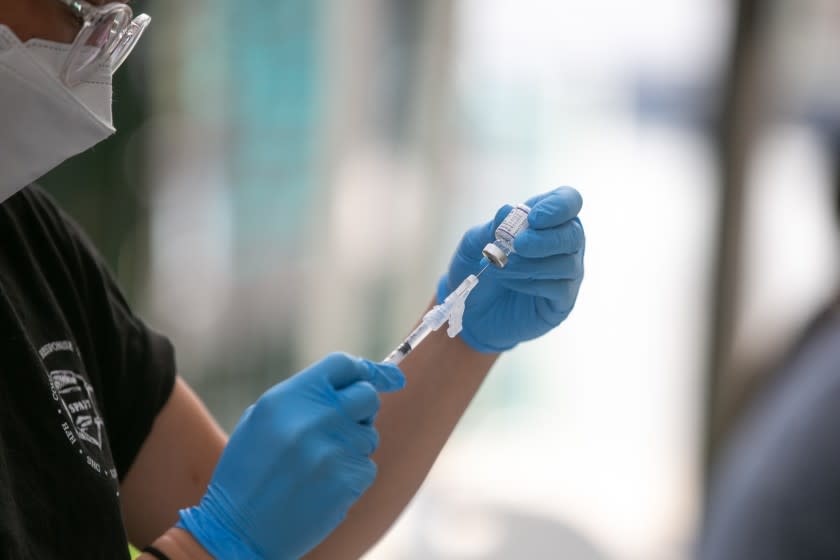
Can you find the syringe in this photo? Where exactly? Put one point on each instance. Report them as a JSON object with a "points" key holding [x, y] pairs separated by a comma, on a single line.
{"points": [[452, 310]]}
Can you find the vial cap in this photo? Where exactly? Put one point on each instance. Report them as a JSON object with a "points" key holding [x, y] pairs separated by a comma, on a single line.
{"points": [[495, 255]]}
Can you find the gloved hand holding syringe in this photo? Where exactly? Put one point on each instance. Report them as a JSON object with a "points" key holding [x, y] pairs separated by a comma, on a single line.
{"points": [[452, 308]]}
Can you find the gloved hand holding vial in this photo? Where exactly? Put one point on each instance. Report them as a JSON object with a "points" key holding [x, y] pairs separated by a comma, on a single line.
{"points": [[537, 293], [537, 274]]}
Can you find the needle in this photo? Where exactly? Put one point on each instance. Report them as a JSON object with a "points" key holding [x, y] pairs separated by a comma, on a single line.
{"points": [[482, 270]]}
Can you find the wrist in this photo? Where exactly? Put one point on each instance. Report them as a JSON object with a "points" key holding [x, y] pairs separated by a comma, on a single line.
{"points": [[179, 544], [211, 524]]}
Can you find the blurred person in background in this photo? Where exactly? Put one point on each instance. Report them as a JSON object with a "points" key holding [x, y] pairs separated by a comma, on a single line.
{"points": [[101, 443], [775, 492]]}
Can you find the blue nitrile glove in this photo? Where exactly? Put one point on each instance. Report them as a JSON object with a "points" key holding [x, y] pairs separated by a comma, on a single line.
{"points": [[296, 462], [537, 289]]}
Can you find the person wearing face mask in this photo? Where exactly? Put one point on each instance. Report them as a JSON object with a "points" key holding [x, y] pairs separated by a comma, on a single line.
{"points": [[101, 443]]}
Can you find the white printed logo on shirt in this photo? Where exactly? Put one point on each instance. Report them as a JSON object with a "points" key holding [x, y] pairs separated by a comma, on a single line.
{"points": [[80, 419]]}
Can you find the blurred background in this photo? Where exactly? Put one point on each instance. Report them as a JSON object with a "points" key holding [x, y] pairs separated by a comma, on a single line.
{"points": [[291, 177]]}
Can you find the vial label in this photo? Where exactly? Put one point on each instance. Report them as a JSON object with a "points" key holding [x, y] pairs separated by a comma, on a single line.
{"points": [[516, 221]]}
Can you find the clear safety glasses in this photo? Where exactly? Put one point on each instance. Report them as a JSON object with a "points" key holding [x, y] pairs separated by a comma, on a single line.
{"points": [[108, 35]]}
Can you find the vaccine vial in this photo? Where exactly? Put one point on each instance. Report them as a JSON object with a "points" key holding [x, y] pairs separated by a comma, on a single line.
{"points": [[516, 221]]}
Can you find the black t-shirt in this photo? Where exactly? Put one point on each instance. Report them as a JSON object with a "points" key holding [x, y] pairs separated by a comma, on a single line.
{"points": [[81, 381]]}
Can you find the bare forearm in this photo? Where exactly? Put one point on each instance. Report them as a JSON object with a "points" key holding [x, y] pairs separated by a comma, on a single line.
{"points": [[443, 377], [173, 468]]}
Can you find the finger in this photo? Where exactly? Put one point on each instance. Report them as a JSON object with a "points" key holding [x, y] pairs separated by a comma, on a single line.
{"points": [[361, 438], [553, 311], [555, 290], [359, 474], [385, 377], [561, 240], [500, 216], [360, 400], [479, 236], [554, 267], [554, 208], [342, 370]]}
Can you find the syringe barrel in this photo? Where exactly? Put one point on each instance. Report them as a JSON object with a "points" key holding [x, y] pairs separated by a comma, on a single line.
{"points": [[435, 318], [410, 343]]}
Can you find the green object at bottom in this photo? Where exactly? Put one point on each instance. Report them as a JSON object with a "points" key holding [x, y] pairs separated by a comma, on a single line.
{"points": [[133, 551]]}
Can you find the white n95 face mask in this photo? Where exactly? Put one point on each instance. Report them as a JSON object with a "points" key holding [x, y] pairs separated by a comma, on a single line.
{"points": [[42, 121]]}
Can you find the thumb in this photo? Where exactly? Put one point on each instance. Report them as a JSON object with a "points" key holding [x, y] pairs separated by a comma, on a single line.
{"points": [[477, 237], [385, 377]]}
